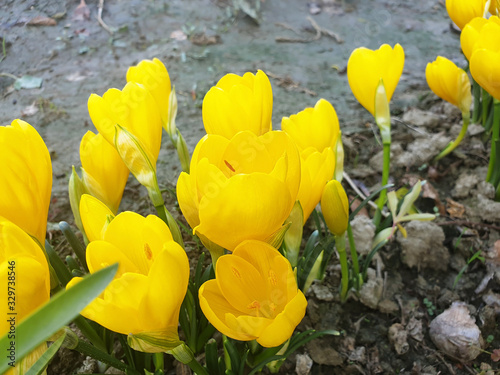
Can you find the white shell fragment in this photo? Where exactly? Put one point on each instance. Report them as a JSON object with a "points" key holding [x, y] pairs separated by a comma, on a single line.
{"points": [[456, 334]]}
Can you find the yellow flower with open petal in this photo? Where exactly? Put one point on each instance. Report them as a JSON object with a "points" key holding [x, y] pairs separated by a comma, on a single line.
{"points": [[144, 299], [462, 11], [103, 172], [254, 295], [23, 263], [130, 120], [242, 188], [366, 67], [315, 132], [26, 178], [95, 217], [450, 83], [239, 103]]}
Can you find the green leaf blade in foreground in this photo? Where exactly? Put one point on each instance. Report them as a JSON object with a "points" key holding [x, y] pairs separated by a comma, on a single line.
{"points": [[58, 312]]}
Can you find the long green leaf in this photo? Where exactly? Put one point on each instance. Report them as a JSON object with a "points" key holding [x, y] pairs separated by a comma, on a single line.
{"points": [[44, 360], [58, 312]]}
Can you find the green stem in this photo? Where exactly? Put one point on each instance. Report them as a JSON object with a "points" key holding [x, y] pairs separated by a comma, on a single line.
{"points": [[164, 214], [62, 272], [197, 368], [452, 145], [90, 333], [340, 245], [158, 361], [354, 257], [495, 136], [101, 356], [385, 180], [476, 91], [75, 244], [486, 103]]}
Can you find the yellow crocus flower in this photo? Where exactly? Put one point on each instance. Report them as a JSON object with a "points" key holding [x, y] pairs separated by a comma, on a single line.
{"points": [[450, 83], [144, 299], [103, 172], [316, 127], [335, 207], [485, 58], [95, 217], [494, 7], [153, 75], [315, 132], [462, 11], [239, 103], [242, 188], [130, 120], [254, 295], [366, 68], [25, 178], [23, 263], [470, 35]]}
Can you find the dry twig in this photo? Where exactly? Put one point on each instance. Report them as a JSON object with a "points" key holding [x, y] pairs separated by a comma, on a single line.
{"points": [[99, 17]]}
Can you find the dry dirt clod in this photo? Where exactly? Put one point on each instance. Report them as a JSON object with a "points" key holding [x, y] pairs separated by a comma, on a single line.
{"points": [[399, 338], [303, 364], [423, 247], [455, 333]]}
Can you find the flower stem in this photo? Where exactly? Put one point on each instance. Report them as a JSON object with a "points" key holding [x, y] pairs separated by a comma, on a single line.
{"points": [[90, 333], [75, 244], [495, 137], [476, 91], [354, 256], [452, 145], [164, 214], [340, 245], [385, 181]]}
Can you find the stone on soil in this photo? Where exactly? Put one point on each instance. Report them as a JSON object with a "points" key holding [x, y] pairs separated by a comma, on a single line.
{"points": [[455, 333], [464, 185], [423, 246], [417, 117], [363, 232]]}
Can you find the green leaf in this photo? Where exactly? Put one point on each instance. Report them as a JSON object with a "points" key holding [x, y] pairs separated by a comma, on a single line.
{"points": [[40, 365], [55, 314]]}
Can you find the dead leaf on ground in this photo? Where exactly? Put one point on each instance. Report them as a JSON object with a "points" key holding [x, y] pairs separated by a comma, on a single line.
{"points": [[355, 204], [82, 12], [178, 35], [495, 356], [76, 77], [29, 110], [202, 39], [454, 209], [42, 21]]}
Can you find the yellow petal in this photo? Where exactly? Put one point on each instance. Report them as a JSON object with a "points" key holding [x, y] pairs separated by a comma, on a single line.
{"points": [[153, 75], [335, 207], [249, 207], [470, 35], [101, 254], [365, 68], [274, 269], [462, 11], [26, 178], [95, 217], [450, 83], [104, 173], [241, 284], [134, 109], [169, 277], [187, 197], [216, 309], [485, 69], [316, 127], [141, 239], [238, 103], [317, 170], [281, 329], [118, 309]]}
